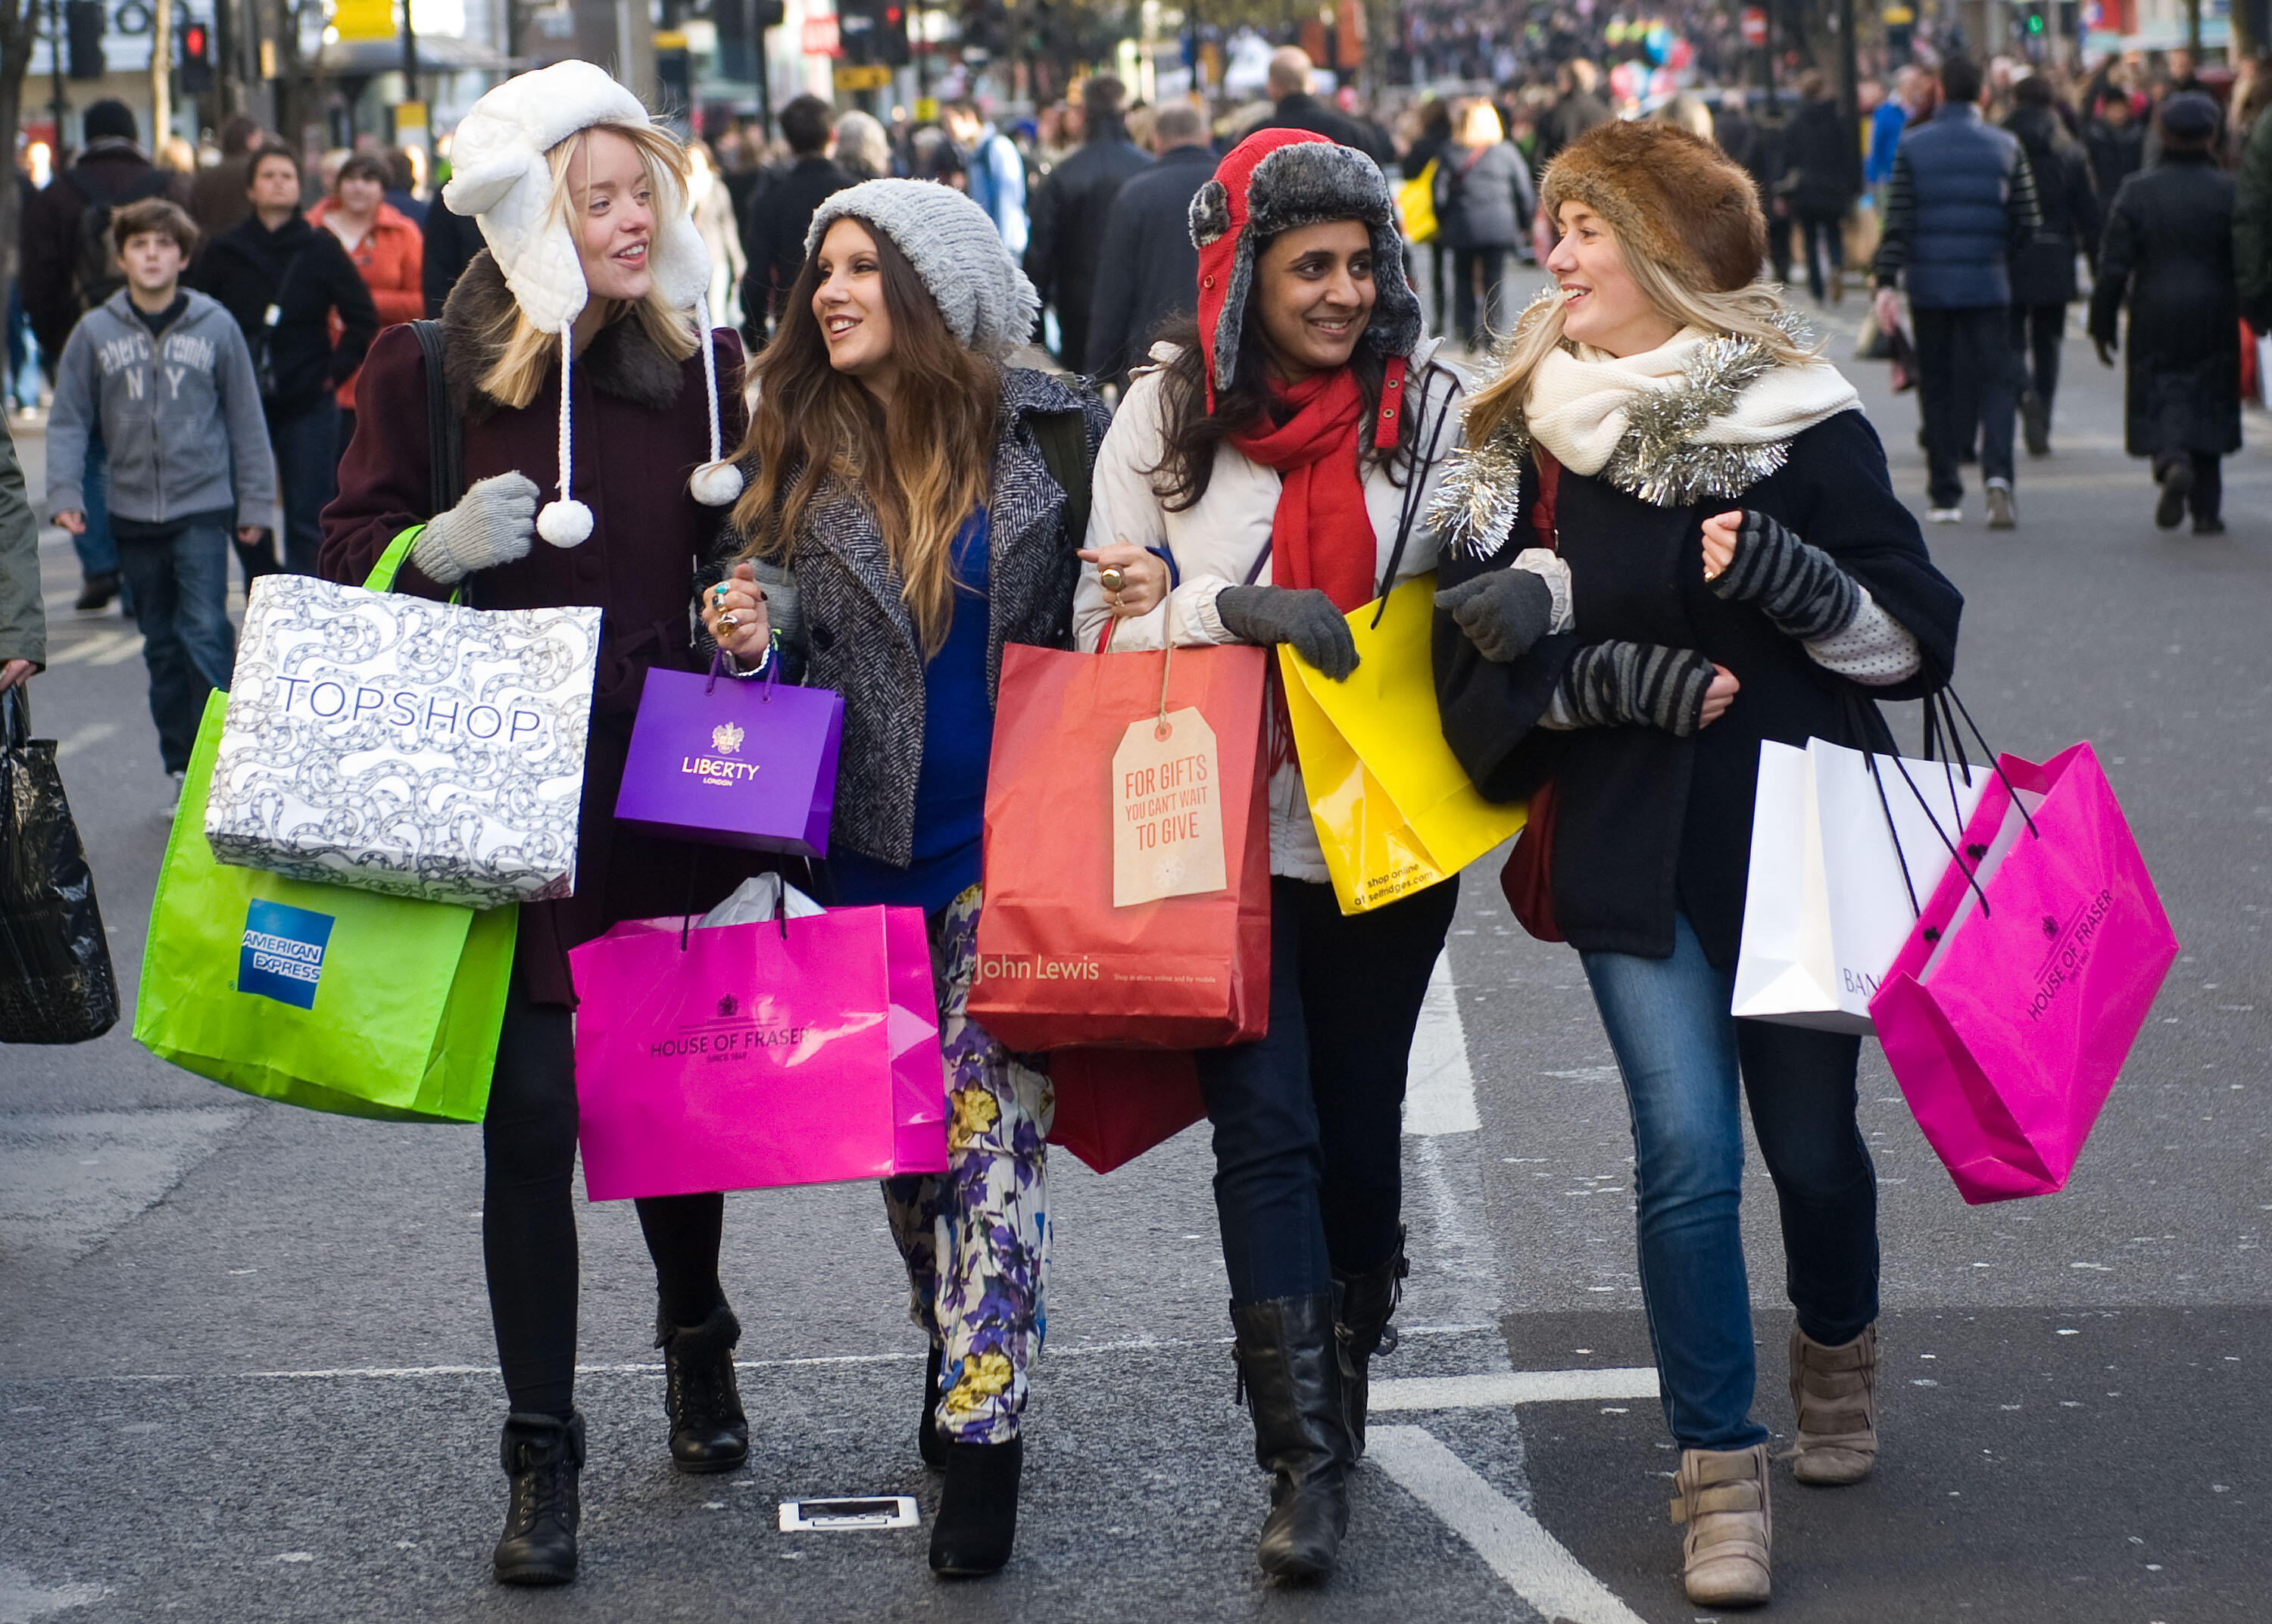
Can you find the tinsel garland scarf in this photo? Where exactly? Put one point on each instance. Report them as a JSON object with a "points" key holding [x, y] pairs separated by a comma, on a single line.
{"points": [[1703, 415]]}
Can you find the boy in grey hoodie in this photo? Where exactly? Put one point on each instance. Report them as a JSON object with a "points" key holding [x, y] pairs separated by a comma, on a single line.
{"points": [[166, 373]]}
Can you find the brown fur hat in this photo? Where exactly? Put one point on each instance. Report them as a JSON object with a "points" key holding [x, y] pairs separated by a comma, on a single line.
{"points": [[1669, 196]]}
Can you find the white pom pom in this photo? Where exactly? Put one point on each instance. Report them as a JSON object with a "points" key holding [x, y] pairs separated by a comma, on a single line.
{"points": [[716, 484], [564, 524]]}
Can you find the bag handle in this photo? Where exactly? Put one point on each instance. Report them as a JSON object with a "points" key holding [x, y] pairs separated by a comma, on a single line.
{"points": [[1410, 513], [15, 718], [444, 436]]}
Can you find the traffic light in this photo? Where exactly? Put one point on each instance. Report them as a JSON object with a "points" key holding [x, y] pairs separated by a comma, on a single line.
{"points": [[858, 23], [892, 34], [196, 58], [83, 26]]}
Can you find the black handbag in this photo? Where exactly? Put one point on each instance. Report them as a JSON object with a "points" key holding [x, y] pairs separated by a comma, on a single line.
{"points": [[56, 980]]}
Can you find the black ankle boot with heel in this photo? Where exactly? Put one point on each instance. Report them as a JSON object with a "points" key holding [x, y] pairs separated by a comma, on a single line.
{"points": [[708, 1432], [1289, 1369], [1368, 1300], [929, 1444], [543, 1456], [977, 1521]]}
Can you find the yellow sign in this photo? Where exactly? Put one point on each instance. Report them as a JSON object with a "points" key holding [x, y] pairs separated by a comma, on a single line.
{"points": [[671, 39], [408, 115], [851, 76], [927, 110], [363, 20], [1897, 15]]}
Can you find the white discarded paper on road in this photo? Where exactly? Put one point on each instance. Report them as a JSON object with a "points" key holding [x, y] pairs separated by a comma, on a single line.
{"points": [[399, 745], [1825, 904]]}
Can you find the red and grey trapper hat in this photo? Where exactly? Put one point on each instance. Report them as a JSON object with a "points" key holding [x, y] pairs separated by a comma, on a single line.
{"points": [[1280, 180]]}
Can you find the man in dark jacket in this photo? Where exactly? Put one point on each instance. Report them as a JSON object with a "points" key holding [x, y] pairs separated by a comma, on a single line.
{"points": [[2116, 142], [2042, 272], [1070, 208], [452, 242], [1150, 271], [217, 199], [67, 269], [1961, 202], [772, 232], [1822, 176], [1288, 85], [1577, 110], [2169, 248], [276, 260]]}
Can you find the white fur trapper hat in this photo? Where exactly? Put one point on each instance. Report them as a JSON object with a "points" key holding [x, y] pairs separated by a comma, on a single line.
{"points": [[501, 177]]}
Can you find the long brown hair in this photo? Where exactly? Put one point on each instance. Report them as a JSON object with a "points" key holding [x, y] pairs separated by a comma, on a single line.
{"points": [[921, 464]]}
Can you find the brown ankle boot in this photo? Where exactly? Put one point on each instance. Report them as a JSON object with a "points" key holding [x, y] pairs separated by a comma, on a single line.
{"points": [[1835, 1390], [1722, 1495]]}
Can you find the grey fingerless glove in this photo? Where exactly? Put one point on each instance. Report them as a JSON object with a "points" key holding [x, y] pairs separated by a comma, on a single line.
{"points": [[1502, 611], [491, 525], [1633, 685], [1301, 616], [1796, 585], [783, 610]]}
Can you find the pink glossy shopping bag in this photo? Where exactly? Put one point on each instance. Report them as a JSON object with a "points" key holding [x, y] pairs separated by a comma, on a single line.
{"points": [[752, 1057], [2011, 1008]]}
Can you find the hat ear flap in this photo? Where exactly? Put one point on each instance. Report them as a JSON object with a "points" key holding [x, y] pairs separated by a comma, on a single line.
{"points": [[478, 184], [682, 264], [1210, 214], [547, 278]]}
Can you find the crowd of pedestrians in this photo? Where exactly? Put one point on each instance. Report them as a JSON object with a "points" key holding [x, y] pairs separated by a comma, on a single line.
{"points": [[903, 497]]}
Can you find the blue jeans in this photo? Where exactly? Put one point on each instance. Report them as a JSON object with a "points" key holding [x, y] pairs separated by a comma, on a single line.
{"points": [[180, 595], [1681, 1052], [1308, 1121], [307, 447]]}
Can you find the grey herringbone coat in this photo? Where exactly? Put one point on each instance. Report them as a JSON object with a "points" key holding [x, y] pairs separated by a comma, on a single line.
{"points": [[852, 633]]}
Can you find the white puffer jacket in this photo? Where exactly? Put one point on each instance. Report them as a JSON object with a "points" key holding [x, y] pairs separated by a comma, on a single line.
{"points": [[1221, 540]]}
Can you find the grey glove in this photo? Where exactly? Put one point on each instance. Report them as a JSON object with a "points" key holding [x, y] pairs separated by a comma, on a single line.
{"points": [[783, 611], [491, 525], [1301, 616], [1502, 611], [1796, 585], [1633, 685]]}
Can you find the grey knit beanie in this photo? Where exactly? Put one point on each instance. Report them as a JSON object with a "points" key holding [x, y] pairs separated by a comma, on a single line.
{"points": [[988, 302]]}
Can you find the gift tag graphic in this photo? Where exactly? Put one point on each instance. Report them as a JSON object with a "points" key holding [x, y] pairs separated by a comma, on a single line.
{"points": [[1167, 810]]}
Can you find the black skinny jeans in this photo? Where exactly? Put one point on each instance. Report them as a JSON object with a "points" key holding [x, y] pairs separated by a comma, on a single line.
{"points": [[1309, 1122], [2037, 332], [1479, 271], [1822, 238], [1966, 388], [529, 1214]]}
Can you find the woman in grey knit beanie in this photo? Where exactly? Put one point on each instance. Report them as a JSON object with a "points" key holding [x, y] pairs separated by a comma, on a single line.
{"points": [[919, 503]]}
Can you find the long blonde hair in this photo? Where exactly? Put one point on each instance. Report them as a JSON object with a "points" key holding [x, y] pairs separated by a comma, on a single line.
{"points": [[525, 355], [1754, 311]]}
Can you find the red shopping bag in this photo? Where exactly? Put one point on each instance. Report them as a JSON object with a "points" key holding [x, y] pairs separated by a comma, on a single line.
{"points": [[752, 1057], [2011, 1008], [1114, 1105], [1060, 965]]}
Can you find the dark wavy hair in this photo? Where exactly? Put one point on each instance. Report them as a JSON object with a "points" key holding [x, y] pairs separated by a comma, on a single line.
{"points": [[1193, 435]]}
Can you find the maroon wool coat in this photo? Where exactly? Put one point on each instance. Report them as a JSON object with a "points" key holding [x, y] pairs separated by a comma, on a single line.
{"points": [[641, 427]]}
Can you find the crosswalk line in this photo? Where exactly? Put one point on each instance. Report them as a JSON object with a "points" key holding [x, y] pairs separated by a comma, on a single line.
{"points": [[1439, 1090], [1503, 1388]]}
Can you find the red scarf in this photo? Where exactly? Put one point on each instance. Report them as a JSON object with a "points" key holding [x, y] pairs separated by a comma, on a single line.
{"points": [[1321, 535]]}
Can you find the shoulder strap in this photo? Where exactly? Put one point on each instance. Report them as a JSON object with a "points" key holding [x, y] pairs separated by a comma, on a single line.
{"points": [[445, 438], [1063, 437]]}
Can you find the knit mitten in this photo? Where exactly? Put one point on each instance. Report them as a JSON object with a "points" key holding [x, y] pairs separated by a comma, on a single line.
{"points": [[491, 525], [1502, 611], [1796, 585], [1301, 616], [1635, 684]]}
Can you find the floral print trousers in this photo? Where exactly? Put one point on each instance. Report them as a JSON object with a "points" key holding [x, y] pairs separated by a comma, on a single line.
{"points": [[976, 1238]]}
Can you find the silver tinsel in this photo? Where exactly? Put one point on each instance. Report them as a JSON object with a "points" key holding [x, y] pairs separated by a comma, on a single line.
{"points": [[1657, 458]]}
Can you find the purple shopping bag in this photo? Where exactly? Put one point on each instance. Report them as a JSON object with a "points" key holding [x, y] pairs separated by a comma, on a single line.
{"points": [[732, 763], [2012, 1006], [752, 1056]]}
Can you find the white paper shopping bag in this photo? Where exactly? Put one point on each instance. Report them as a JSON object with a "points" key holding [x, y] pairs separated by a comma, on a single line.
{"points": [[396, 744], [1840, 860]]}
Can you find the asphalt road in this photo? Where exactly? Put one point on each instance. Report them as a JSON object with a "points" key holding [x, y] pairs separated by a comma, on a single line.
{"points": [[245, 1349]]}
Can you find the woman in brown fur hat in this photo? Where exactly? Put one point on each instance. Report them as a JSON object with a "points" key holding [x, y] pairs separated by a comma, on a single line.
{"points": [[1672, 537]]}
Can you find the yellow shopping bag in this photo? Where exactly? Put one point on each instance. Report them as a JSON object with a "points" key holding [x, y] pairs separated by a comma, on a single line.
{"points": [[1415, 201], [1395, 810]]}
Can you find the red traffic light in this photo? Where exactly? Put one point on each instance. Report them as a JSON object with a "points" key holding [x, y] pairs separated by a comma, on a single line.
{"points": [[193, 40]]}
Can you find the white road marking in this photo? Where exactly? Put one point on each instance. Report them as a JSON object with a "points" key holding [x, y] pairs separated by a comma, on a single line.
{"points": [[119, 654], [1534, 1564], [88, 648], [22, 1599], [1439, 1089], [92, 734], [1508, 1388]]}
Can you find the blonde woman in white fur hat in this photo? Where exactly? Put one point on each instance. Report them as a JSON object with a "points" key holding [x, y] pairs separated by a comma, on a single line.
{"points": [[592, 411]]}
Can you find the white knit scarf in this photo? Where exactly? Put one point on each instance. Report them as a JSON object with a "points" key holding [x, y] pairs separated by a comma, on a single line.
{"points": [[1578, 403]]}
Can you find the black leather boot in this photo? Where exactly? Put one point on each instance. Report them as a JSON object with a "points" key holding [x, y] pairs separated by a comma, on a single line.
{"points": [[977, 1520], [542, 1455], [928, 1441], [708, 1432], [1290, 1366], [1368, 1299]]}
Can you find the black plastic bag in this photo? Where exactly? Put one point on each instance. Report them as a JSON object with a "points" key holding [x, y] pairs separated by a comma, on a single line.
{"points": [[55, 980]]}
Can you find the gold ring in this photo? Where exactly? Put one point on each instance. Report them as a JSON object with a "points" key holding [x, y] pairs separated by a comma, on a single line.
{"points": [[1112, 577], [729, 621]]}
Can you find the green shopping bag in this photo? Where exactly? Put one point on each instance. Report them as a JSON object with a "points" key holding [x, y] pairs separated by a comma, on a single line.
{"points": [[332, 998]]}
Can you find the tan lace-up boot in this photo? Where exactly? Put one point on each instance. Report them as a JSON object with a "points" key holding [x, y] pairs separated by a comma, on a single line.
{"points": [[1722, 1495], [1836, 1392]]}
